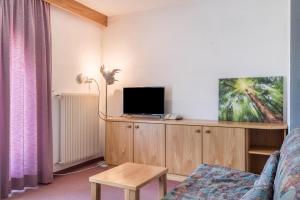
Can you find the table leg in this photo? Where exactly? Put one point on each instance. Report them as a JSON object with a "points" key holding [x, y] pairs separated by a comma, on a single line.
{"points": [[132, 195], [95, 191], [162, 186]]}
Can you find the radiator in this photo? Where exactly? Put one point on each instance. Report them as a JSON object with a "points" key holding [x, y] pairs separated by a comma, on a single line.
{"points": [[79, 128]]}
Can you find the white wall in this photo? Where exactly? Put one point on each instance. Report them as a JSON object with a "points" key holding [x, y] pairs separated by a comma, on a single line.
{"points": [[76, 48], [188, 47]]}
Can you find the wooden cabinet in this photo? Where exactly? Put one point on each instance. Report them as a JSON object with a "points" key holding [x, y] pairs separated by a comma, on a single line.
{"points": [[119, 142], [225, 146], [149, 143], [183, 148], [182, 145]]}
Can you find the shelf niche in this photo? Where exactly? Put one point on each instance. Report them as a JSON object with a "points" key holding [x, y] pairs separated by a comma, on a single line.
{"points": [[261, 144]]}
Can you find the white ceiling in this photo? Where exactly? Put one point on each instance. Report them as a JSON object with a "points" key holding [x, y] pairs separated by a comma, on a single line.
{"points": [[120, 7]]}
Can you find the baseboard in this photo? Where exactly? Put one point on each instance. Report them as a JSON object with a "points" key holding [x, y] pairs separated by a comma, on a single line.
{"points": [[83, 164]]}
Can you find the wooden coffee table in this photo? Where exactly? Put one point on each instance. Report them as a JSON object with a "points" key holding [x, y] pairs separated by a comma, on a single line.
{"points": [[130, 177]]}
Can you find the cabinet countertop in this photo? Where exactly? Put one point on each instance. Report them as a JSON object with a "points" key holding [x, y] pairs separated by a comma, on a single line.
{"points": [[194, 122]]}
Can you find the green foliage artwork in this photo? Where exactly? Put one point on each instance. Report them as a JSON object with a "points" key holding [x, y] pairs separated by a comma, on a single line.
{"points": [[251, 99]]}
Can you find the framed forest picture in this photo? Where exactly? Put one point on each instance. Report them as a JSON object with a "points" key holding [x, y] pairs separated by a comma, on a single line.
{"points": [[258, 99]]}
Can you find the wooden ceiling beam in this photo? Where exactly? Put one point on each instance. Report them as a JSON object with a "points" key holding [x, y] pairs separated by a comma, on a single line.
{"points": [[79, 9]]}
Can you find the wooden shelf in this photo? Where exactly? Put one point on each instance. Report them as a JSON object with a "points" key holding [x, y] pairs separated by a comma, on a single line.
{"points": [[258, 150]]}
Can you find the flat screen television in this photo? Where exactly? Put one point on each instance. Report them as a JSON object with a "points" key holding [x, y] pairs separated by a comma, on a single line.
{"points": [[144, 100]]}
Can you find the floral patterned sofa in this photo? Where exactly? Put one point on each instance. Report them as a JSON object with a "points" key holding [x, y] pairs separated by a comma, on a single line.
{"points": [[280, 179]]}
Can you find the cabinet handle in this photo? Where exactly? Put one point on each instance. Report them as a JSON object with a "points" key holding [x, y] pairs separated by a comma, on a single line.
{"points": [[198, 131], [129, 126], [137, 127], [207, 131]]}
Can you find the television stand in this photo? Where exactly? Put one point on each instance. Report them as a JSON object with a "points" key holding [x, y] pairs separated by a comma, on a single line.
{"points": [[182, 145]]}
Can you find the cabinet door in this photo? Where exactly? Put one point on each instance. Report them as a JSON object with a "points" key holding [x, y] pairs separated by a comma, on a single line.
{"points": [[119, 142], [183, 148], [225, 146], [149, 144]]}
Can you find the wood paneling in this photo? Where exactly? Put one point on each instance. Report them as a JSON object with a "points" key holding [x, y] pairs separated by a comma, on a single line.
{"points": [[79, 9], [224, 146], [149, 144], [119, 142], [183, 148]]}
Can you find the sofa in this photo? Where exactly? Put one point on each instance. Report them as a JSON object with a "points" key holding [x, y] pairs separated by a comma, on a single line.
{"points": [[280, 178]]}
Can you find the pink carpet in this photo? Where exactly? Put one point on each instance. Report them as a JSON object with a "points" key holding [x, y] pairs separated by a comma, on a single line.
{"points": [[76, 187]]}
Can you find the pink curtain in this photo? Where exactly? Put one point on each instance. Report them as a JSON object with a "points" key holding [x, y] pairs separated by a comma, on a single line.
{"points": [[25, 95]]}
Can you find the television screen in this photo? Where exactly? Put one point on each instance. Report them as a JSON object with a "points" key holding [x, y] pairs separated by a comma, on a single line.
{"points": [[144, 100]]}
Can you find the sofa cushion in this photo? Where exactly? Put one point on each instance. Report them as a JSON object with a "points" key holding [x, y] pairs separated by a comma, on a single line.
{"points": [[258, 193], [213, 182], [287, 180], [263, 186], [268, 174]]}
